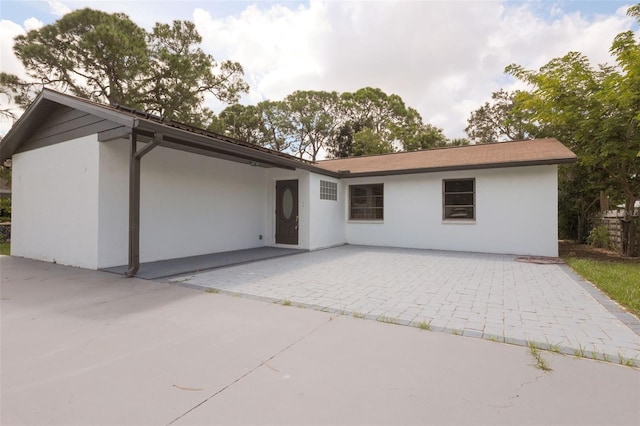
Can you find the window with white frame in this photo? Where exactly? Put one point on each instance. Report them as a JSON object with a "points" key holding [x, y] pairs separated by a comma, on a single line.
{"points": [[459, 199], [366, 202], [328, 190]]}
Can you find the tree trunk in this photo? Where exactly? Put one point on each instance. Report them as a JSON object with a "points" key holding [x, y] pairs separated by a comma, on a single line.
{"points": [[633, 245], [629, 228], [604, 202], [581, 226], [629, 231]]}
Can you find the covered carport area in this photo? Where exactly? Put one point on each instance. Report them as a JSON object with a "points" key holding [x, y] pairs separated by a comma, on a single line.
{"points": [[195, 193], [148, 134]]}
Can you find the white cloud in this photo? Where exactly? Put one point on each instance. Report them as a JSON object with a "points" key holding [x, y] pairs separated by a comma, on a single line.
{"points": [[274, 46], [58, 8], [10, 64], [443, 58], [32, 24]]}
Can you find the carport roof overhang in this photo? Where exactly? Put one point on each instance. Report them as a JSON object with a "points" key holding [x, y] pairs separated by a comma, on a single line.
{"points": [[126, 121], [216, 146]]}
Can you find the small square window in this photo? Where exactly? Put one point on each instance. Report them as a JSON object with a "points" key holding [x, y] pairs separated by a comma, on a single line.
{"points": [[328, 190], [459, 199]]}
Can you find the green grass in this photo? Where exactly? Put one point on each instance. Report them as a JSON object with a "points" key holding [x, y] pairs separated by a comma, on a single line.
{"points": [[617, 279], [541, 363], [424, 325], [5, 248], [386, 319], [580, 351]]}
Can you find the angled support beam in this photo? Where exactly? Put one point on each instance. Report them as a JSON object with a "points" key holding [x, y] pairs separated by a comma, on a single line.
{"points": [[122, 132], [134, 199]]}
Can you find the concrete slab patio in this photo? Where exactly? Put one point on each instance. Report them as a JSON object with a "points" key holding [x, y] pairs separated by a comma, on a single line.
{"points": [[186, 265], [489, 296], [84, 347]]}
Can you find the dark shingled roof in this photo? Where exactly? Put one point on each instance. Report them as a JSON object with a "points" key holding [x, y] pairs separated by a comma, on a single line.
{"points": [[504, 154]]}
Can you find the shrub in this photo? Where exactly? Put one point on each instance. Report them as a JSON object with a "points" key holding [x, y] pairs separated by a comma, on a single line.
{"points": [[599, 237], [5, 208]]}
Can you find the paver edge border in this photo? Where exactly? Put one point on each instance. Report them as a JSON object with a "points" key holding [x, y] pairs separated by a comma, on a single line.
{"points": [[609, 304]]}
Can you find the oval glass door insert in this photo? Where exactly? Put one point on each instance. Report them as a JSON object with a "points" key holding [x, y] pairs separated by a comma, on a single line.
{"points": [[287, 203]]}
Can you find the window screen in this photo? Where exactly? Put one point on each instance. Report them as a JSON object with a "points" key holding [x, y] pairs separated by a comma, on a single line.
{"points": [[366, 202], [459, 199]]}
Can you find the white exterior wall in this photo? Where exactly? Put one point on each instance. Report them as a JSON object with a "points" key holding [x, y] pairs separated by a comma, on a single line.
{"points": [[55, 203], [516, 213], [113, 216], [327, 217], [189, 205]]}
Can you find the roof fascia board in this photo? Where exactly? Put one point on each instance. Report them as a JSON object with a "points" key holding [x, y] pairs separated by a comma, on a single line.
{"points": [[15, 136], [213, 154], [121, 132], [196, 148], [223, 147], [460, 168], [97, 110], [320, 171], [8, 146]]}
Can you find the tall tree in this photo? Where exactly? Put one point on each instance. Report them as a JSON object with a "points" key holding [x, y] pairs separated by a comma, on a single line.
{"points": [[388, 125], [180, 73], [373, 109], [274, 121], [342, 143], [596, 111], [457, 142], [241, 122], [108, 58], [263, 124], [14, 91], [368, 142], [499, 120], [422, 136], [313, 119], [94, 54], [307, 123]]}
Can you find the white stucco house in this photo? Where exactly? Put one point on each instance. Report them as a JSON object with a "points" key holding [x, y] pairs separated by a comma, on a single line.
{"points": [[96, 186]]}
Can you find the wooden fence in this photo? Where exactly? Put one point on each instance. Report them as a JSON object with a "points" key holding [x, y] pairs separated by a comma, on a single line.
{"points": [[613, 219]]}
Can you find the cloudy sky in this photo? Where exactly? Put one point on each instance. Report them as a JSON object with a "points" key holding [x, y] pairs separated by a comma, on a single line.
{"points": [[444, 58]]}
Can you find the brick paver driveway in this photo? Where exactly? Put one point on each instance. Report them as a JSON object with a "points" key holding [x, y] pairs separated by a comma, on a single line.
{"points": [[480, 295]]}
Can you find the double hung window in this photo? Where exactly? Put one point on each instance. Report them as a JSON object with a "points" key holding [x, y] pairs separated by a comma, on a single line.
{"points": [[459, 199], [366, 202]]}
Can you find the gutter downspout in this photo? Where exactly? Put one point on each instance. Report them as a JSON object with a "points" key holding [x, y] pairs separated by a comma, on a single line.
{"points": [[134, 198]]}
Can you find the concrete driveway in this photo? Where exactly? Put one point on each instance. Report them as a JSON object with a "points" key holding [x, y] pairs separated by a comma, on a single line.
{"points": [[83, 347], [489, 296]]}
